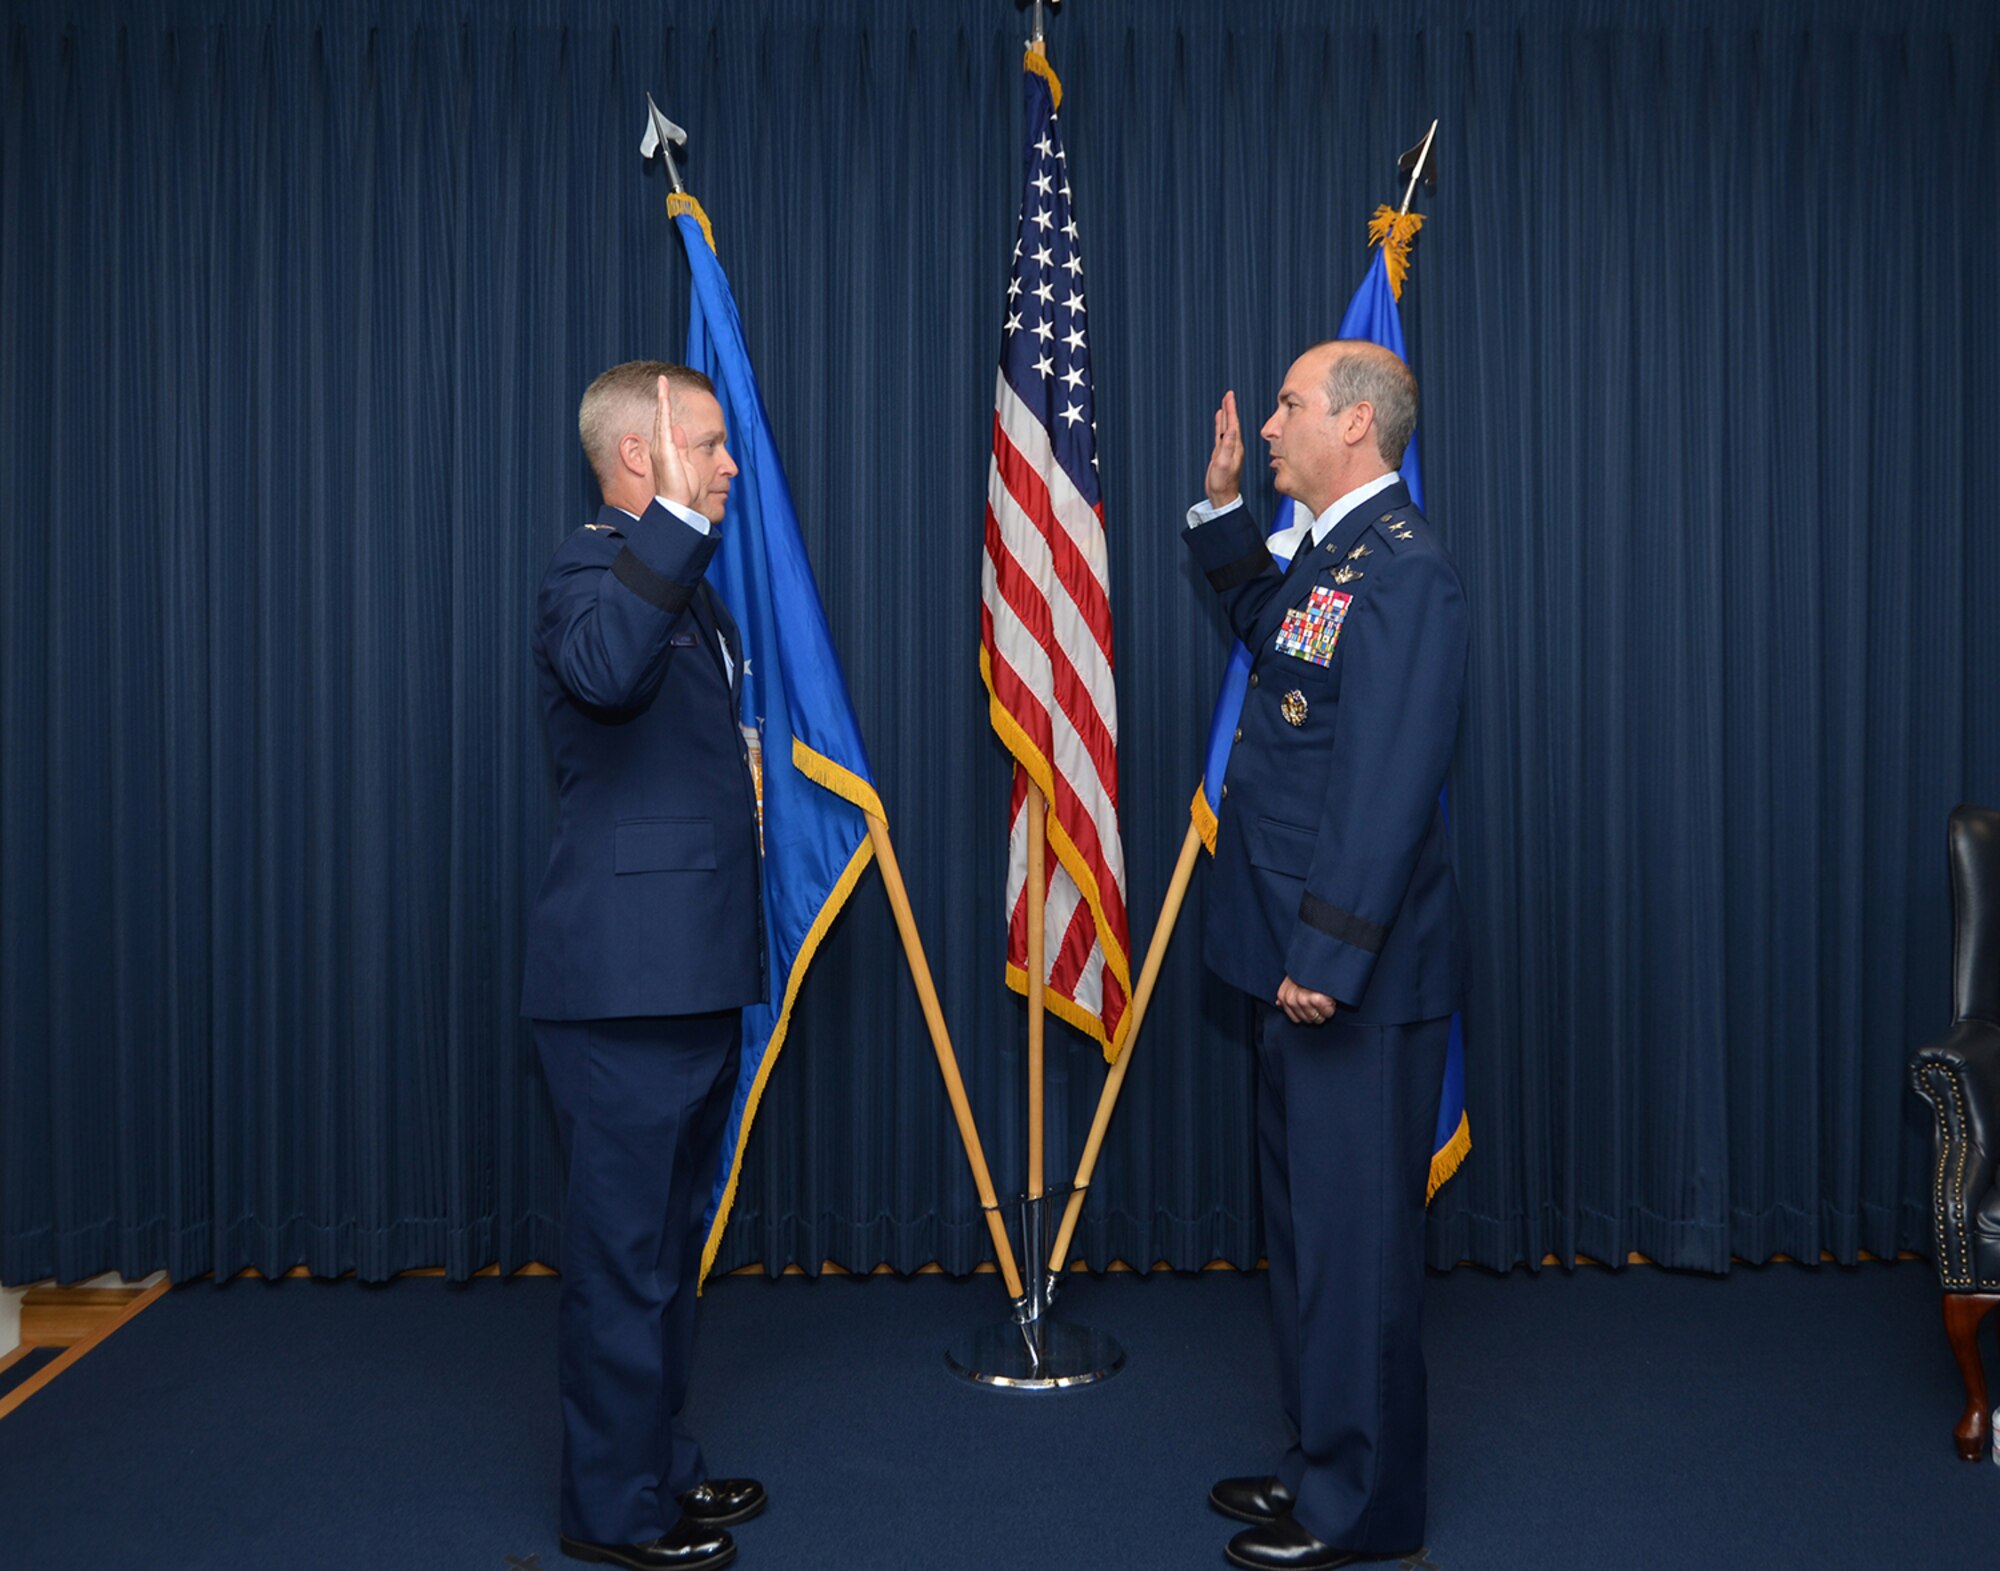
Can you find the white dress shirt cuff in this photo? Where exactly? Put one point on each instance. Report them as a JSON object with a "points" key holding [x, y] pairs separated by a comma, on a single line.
{"points": [[1204, 510], [686, 515]]}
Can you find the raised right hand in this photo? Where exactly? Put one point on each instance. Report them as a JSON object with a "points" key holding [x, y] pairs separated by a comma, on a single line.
{"points": [[673, 475], [1225, 464]]}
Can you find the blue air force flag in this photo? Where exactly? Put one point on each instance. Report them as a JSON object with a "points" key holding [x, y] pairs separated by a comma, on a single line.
{"points": [[814, 785]]}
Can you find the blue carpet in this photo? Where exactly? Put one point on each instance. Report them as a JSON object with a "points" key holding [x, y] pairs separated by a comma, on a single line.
{"points": [[29, 1363], [1775, 1418]]}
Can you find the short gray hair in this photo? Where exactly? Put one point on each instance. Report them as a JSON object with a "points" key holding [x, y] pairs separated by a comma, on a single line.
{"points": [[1366, 373], [622, 400]]}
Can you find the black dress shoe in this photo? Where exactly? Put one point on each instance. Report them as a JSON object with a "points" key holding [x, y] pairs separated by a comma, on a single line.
{"points": [[1257, 1500], [723, 1502], [1285, 1546], [689, 1544]]}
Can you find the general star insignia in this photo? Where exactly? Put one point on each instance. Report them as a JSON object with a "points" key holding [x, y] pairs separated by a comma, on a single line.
{"points": [[1347, 574], [1360, 550], [1293, 707]]}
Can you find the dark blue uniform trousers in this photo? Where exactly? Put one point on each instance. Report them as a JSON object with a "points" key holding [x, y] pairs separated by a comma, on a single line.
{"points": [[641, 1106], [1345, 1118]]}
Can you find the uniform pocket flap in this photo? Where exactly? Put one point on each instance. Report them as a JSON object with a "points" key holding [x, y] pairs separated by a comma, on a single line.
{"points": [[664, 845], [1281, 847]]}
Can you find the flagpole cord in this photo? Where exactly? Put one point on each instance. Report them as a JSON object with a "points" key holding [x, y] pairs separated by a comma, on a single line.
{"points": [[954, 1083], [1114, 1082]]}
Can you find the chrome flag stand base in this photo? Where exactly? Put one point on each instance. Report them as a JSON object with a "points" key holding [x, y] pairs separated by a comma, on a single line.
{"points": [[1032, 1351]]}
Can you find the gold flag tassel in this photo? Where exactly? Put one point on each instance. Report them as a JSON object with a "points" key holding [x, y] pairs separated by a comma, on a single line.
{"points": [[680, 202], [1393, 232]]}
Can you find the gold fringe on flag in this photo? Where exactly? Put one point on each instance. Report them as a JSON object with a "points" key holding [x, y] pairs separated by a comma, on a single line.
{"points": [[1037, 61], [680, 202], [1393, 232], [1206, 824], [1449, 1157]]}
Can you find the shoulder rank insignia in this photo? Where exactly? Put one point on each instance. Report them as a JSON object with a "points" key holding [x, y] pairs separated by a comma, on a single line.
{"points": [[1293, 707], [1358, 551], [1347, 574]]}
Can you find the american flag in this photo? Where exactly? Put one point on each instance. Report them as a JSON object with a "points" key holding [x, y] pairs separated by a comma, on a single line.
{"points": [[1045, 617]]}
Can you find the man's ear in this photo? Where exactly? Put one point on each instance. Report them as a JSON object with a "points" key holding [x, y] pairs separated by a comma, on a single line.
{"points": [[1360, 421], [634, 454]]}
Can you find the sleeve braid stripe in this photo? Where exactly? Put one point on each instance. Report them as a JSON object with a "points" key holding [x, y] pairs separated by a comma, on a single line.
{"points": [[1240, 571], [656, 589], [1343, 925]]}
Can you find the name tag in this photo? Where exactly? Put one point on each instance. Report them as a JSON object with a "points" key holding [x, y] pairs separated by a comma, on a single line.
{"points": [[1311, 631]]}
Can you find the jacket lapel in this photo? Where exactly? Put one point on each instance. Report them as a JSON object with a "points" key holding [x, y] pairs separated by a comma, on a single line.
{"points": [[714, 619]]}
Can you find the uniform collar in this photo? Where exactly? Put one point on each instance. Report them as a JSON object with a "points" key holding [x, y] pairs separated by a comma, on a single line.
{"points": [[1350, 525], [1332, 518]]}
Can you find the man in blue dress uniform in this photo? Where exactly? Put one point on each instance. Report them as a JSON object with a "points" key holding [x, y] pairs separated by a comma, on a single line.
{"points": [[645, 942], [1331, 902]]}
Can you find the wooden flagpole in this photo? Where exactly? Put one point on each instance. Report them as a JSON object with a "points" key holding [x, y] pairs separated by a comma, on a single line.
{"points": [[1114, 1082], [954, 1084], [1037, 810]]}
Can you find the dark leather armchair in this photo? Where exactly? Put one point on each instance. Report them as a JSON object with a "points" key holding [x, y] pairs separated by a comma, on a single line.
{"points": [[1959, 1075]]}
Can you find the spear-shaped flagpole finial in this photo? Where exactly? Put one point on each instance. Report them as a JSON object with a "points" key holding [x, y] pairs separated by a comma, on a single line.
{"points": [[1417, 161], [661, 138], [1393, 230]]}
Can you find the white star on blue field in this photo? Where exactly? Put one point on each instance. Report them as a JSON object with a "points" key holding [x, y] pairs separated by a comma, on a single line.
{"points": [[1045, 348]]}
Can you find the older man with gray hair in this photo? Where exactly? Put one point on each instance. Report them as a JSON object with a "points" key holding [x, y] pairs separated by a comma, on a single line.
{"points": [[1331, 903]]}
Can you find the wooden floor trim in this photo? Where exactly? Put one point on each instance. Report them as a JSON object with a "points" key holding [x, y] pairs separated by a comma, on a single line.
{"points": [[64, 1316], [986, 1267], [536, 1268], [69, 1356]]}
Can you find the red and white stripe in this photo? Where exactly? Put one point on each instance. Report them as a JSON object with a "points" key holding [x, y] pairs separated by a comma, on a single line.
{"points": [[1045, 625]]}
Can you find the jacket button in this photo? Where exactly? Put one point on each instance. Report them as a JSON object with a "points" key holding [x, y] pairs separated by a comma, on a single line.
{"points": [[1253, 678], [1239, 733], [1225, 792]]}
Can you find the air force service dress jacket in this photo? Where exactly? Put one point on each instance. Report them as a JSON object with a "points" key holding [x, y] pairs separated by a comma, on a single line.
{"points": [[652, 901], [1330, 861]]}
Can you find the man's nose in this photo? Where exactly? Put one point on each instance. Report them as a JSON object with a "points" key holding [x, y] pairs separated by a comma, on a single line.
{"points": [[728, 465]]}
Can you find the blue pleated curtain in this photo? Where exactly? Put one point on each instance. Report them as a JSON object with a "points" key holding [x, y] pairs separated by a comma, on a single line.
{"points": [[296, 302]]}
